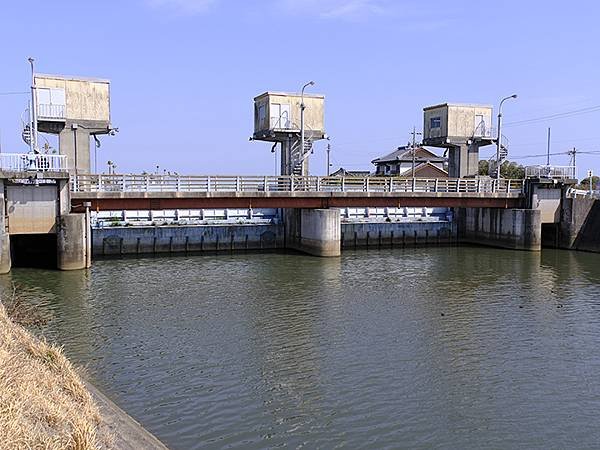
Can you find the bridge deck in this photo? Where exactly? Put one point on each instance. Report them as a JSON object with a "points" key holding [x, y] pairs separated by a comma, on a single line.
{"points": [[142, 192]]}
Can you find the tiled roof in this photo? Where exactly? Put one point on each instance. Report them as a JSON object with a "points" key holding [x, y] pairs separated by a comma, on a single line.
{"points": [[405, 154]]}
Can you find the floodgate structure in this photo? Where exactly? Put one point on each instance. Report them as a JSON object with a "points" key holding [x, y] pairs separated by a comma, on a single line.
{"points": [[56, 210]]}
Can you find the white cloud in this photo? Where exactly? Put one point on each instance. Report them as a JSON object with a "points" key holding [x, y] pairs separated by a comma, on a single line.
{"points": [[342, 9], [187, 7]]}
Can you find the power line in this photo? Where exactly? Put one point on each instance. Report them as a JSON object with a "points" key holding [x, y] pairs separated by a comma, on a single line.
{"points": [[13, 93], [556, 116]]}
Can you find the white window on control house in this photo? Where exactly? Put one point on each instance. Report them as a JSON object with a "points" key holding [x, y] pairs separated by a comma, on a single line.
{"points": [[280, 116], [51, 103]]}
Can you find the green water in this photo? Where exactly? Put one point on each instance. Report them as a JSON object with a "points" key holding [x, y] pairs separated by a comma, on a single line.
{"points": [[420, 348]]}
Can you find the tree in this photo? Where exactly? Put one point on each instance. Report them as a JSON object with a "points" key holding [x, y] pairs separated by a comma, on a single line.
{"points": [[512, 171], [484, 167], [585, 183], [509, 170]]}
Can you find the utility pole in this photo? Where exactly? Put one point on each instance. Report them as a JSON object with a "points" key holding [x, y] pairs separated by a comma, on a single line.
{"points": [[328, 152], [33, 140], [591, 175], [414, 149], [573, 154], [548, 157]]}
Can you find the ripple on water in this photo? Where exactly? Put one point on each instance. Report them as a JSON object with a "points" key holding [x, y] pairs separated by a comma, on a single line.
{"points": [[449, 347]]}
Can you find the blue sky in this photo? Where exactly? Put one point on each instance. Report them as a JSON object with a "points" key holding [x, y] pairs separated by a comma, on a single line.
{"points": [[184, 72]]}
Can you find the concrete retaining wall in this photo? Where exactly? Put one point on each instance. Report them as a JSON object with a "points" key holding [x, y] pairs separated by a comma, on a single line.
{"points": [[580, 224], [518, 229], [197, 238], [397, 234]]}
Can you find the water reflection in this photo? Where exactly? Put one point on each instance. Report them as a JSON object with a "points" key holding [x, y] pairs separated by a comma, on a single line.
{"points": [[449, 347]]}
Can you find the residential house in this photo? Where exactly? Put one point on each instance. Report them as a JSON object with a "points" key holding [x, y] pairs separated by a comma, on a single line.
{"points": [[341, 172], [400, 162]]}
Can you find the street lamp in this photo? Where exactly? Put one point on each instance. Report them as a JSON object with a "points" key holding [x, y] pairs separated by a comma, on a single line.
{"points": [[302, 108], [499, 139]]}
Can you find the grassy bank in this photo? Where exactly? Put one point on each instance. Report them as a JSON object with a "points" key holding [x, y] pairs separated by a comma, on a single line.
{"points": [[43, 401]]}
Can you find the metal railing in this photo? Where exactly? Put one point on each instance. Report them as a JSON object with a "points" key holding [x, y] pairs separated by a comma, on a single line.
{"points": [[50, 111], [483, 131], [36, 162], [554, 172], [288, 183], [575, 193]]}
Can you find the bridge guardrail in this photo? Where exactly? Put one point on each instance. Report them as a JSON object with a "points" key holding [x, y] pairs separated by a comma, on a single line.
{"points": [[36, 162], [288, 183], [557, 172]]}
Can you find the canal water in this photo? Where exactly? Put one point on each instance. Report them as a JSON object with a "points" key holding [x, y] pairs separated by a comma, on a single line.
{"points": [[419, 348]]}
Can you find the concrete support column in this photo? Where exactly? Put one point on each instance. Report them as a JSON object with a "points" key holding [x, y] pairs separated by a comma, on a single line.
{"points": [[286, 149], [286, 156], [517, 229], [5, 259], [314, 231], [75, 143], [72, 242], [463, 161], [5, 256]]}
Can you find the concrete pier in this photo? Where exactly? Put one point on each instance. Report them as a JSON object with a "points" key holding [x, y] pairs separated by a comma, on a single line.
{"points": [[5, 259], [72, 242], [313, 231], [517, 229]]}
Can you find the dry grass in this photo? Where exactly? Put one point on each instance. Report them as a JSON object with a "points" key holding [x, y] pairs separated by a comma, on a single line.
{"points": [[43, 402]]}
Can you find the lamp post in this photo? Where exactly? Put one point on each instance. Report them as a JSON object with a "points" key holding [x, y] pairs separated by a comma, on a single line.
{"points": [[499, 138], [302, 108]]}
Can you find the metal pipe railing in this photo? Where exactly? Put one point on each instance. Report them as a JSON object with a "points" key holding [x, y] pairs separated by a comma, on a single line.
{"points": [[555, 172], [288, 183], [36, 162]]}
